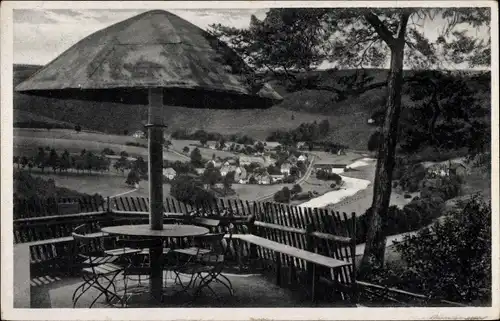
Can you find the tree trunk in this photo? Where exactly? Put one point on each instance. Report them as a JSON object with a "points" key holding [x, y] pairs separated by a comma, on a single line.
{"points": [[375, 240]]}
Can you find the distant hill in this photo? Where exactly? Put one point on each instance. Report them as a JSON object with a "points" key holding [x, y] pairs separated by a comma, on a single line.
{"points": [[348, 118]]}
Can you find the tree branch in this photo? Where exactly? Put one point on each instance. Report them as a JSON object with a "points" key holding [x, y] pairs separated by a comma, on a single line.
{"points": [[400, 34], [380, 28]]}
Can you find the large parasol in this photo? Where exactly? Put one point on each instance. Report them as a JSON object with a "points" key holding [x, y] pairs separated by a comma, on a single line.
{"points": [[156, 59]]}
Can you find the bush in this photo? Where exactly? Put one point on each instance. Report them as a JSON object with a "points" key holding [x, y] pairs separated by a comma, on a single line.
{"points": [[411, 178], [407, 196], [136, 144], [108, 151], [452, 259], [324, 175], [282, 196], [296, 189]]}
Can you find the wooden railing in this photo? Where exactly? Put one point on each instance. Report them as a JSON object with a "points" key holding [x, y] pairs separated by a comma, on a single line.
{"points": [[46, 236]]}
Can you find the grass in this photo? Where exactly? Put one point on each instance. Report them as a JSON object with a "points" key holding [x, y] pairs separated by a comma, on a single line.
{"points": [[329, 158], [27, 141]]}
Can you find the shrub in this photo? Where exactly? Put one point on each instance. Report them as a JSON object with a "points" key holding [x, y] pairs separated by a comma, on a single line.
{"points": [[407, 196], [296, 189], [136, 144], [412, 176], [452, 259], [108, 151], [374, 141]]}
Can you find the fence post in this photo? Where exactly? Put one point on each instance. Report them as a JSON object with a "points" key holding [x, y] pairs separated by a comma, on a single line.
{"points": [[311, 268], [108, 204], [252, 230], [354, 288]]}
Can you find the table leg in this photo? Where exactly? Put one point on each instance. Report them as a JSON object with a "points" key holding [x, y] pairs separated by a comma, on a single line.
{"points": [[156, 277]]}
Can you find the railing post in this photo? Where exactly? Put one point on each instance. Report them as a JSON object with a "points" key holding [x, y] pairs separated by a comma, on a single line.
{"points": [[252, 230], [311, 268]]}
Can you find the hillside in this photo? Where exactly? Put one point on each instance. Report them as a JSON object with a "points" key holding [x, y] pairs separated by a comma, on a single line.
{"points": [[348, 118]]}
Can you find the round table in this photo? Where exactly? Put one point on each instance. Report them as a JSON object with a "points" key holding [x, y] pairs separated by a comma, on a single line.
{"points": [[145, 231]]}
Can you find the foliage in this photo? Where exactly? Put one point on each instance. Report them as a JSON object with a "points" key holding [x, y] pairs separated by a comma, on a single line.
{"points": [[374, 141], [296, 189], [191, 191], [306, 132], [136, 144], [326, 176], [180, 167], [196, 158], [412, 177], [283, 196], [108, 151], [133, 177], [185, 150], [29, 187], [211, 175], [452, 259]]}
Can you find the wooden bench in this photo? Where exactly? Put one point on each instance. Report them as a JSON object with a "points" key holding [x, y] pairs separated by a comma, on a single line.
{"points": [[313, 259]]}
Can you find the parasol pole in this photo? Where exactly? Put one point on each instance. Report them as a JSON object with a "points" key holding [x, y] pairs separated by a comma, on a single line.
{"points": [[155, 151]]}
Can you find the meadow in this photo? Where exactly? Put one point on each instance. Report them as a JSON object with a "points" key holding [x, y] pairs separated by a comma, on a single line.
{"points": [[27, 141]]}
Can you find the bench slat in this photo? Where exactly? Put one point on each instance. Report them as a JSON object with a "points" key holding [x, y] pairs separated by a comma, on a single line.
{"points": [[292, 251]]}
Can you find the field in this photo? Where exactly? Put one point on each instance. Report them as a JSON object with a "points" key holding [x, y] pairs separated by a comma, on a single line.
{"points": [[206, 153], [329, 158], [27, 141]]}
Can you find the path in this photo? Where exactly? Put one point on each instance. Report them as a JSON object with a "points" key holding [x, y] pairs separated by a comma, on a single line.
{"points": [[124, 193]]}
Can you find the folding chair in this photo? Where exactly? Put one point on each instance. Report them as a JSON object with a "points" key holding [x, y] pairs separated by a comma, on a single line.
{"points": [[207, 264], [138, 264], [97, 267]]}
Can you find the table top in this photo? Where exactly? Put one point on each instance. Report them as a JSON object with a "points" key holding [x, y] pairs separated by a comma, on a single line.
{"points": [[144, 230]]}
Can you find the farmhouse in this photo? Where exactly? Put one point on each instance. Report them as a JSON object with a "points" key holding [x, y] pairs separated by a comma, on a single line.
{"points": [[331, 168], [277, 178], [169, 173], [271, 145], [199, 171], [263, 179], [446, 168], [285, 168], [302, 158], [217, 163], [240, 173], [139, 134]]}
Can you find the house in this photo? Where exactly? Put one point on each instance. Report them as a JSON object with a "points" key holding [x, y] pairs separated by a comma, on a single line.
{"points": [[459, 168], [285, 168], [302, 158], [169, 173], [331, 168], [139, 134], [302, 145], [225, 169], [199, 171], [446, 168], [277, 178], [217, 163], [240, 173], [212, 145], [263, 179]]}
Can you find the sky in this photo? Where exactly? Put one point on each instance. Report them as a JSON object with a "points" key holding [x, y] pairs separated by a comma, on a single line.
{"points": [[42, 35]]}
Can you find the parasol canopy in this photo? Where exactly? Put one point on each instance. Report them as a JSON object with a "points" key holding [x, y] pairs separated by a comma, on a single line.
{"points": [[155, 49]]}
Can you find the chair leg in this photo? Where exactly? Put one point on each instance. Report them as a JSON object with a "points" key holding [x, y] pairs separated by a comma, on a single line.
{"points": [[229, 285]]}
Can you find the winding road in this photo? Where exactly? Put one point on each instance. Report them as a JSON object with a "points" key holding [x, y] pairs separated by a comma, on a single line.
{"points": [[299, 181]]}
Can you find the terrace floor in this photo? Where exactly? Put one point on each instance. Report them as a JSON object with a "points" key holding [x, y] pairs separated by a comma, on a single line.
{"points": [[250, 290]]}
